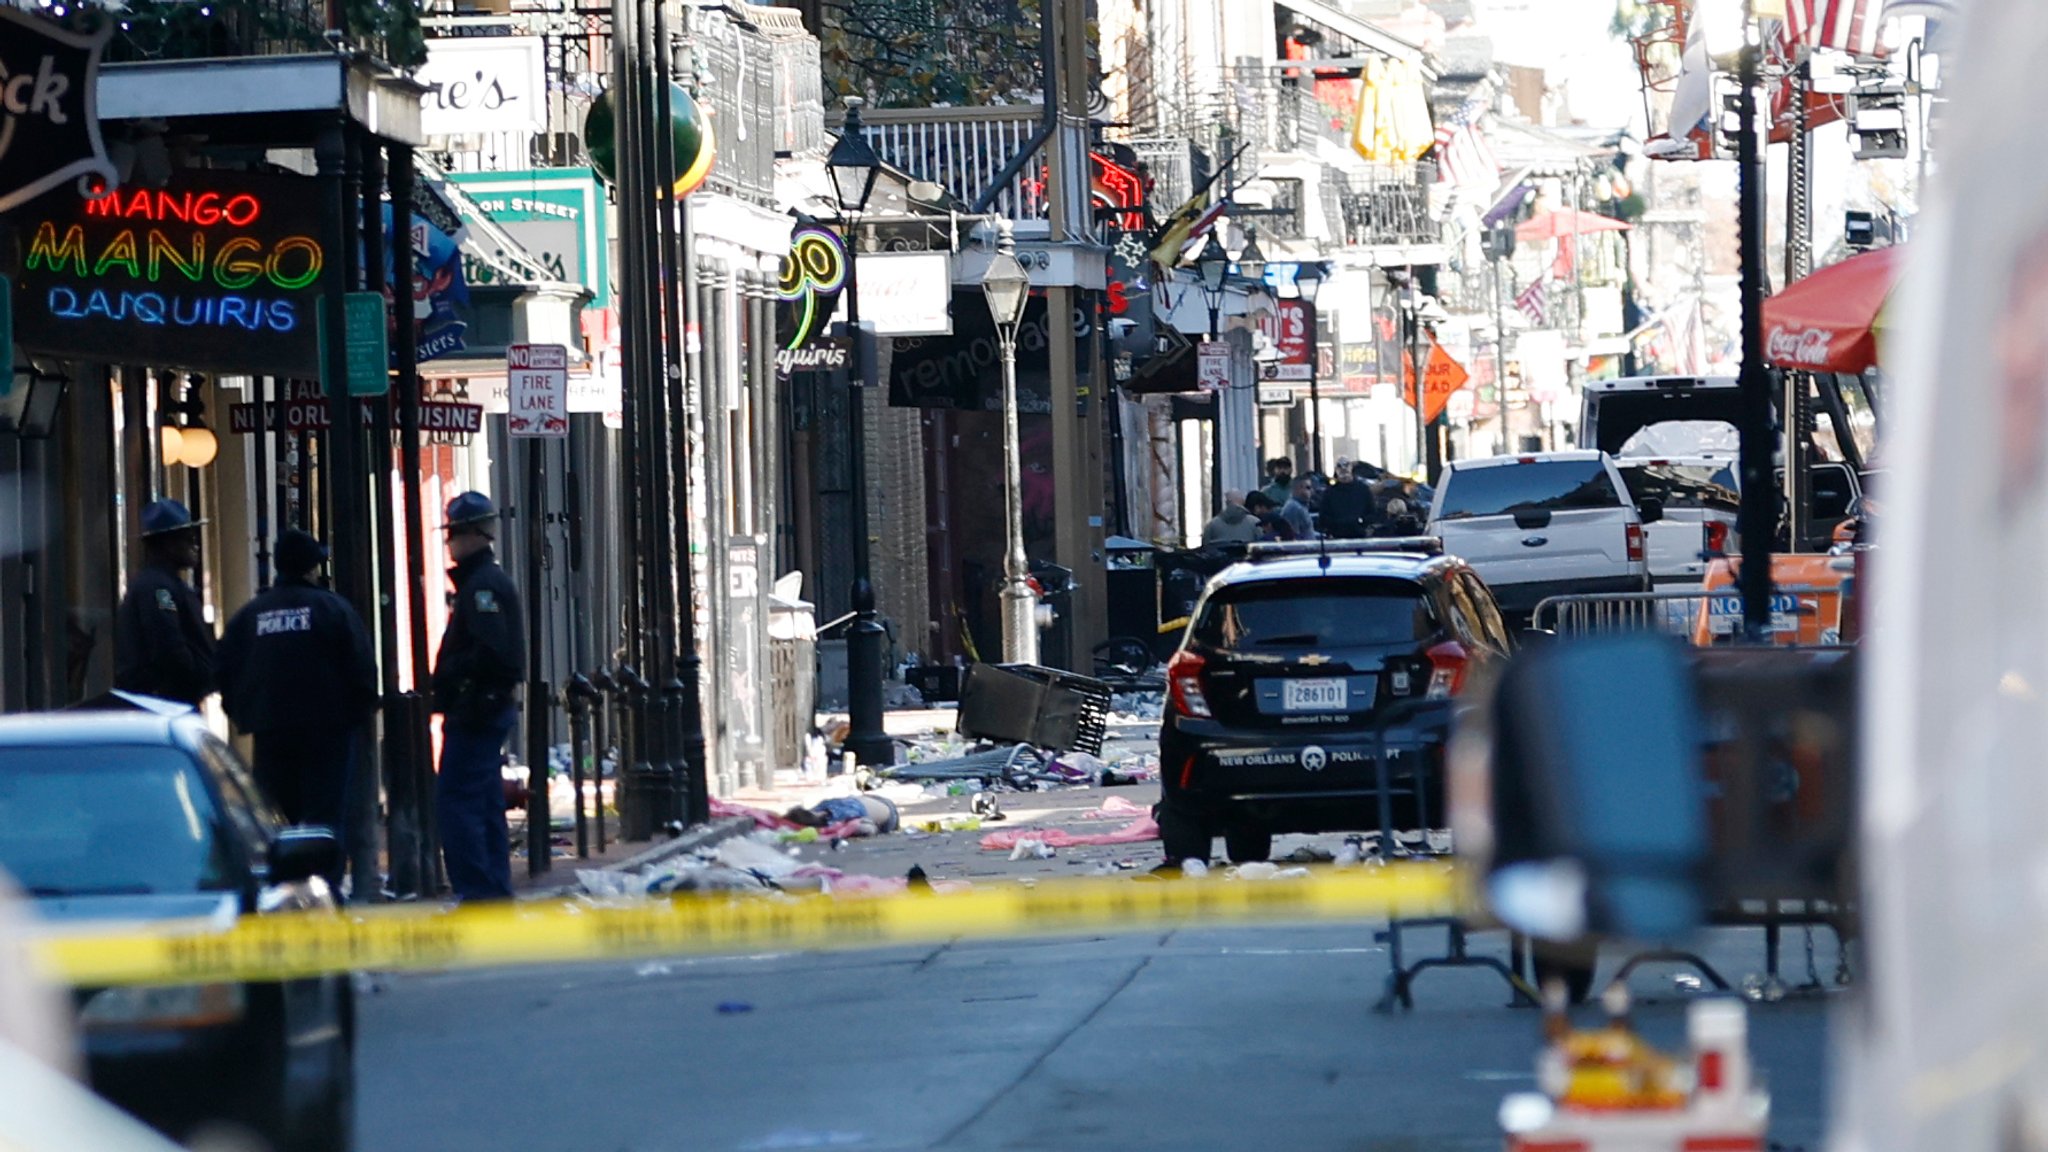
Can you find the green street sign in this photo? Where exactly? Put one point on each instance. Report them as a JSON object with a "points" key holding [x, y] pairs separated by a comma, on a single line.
{"points": [[365, 342], [556, 214]]}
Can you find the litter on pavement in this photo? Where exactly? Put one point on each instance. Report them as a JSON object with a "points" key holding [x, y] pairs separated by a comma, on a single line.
{"points": [[1135, 832]]}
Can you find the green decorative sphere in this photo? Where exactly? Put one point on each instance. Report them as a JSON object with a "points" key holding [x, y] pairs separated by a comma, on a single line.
{"points": [[695, 144]]}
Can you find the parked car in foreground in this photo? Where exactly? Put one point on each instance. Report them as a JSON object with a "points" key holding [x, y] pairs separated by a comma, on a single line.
{"points": [[139, 816], [1544, 524], [1301, 669]]}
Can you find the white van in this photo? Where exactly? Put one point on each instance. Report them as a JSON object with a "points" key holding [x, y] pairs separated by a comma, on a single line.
{"points": [[1545, 524]]}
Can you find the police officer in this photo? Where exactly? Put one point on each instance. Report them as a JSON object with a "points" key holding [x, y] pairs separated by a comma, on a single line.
{"points": [[476, 690], [163, 645], [296, 672]]}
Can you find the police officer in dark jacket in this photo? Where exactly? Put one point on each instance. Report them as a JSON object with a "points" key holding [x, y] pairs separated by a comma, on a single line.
{"points": [[163, 645], [297, 673], [476, 689]]}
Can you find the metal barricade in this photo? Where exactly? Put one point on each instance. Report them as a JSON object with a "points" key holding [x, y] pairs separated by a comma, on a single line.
{"points": [[1812, 616]]}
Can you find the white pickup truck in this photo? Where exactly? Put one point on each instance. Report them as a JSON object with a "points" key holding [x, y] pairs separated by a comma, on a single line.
{"points": [[1545, 524]]}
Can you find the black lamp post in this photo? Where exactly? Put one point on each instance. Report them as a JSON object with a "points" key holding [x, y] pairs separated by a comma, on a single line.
{"points": [[1308, 281], [855, 167], [1213, 266], [1730, 28]]}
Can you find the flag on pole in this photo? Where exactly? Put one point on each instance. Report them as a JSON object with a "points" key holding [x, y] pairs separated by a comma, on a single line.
{"points": [[1189, 221], [1844, 25], [1533, 303], [1463, 156]]}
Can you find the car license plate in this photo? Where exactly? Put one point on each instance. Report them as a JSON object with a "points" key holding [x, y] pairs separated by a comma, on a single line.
{"points": [[1315, 696], [1724, 614]]}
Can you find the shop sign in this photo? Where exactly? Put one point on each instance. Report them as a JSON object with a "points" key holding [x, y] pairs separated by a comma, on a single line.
{"points": [[904, 293], [813, 275], [556, 214], [305, 408], [1290, 328], [49, 127], [482, 85], [965, 370], [217, 270]]}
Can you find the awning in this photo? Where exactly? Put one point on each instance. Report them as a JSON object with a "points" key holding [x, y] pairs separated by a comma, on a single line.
{"points": [[1376, 38], [1830, 321]]}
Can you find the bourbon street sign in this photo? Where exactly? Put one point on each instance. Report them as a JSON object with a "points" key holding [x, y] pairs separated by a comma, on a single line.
{"points": [[49, 125]]}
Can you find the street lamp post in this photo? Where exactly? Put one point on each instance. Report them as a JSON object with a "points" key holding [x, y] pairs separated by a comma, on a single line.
{"points": [[854, 167], [1007, 287], [1213, 266], [1308, 281], [1730, 27]]}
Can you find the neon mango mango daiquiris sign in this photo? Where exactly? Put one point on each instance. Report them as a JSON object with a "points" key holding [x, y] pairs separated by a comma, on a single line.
{"points": [[219, 270]]}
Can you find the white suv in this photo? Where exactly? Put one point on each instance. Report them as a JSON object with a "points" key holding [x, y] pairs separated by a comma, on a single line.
{"points": [[1542, 525]]}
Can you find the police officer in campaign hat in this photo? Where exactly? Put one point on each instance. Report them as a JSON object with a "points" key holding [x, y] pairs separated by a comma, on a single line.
{"points": [[476, 690], [163, 645], [297, 672]]}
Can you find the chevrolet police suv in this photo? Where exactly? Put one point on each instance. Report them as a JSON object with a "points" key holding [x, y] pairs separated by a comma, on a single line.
{"points": [[1313, 693]]}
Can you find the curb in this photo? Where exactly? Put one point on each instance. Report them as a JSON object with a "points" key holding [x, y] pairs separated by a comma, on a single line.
{"points": [[701, 836]]}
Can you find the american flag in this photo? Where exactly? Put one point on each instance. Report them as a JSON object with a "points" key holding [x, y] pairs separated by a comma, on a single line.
{"points": [[1844, 25], [1463, 156], [1534, 303]]}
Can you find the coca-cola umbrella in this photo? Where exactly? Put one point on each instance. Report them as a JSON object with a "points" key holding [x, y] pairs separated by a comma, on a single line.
{"points": [[1830, 321]]}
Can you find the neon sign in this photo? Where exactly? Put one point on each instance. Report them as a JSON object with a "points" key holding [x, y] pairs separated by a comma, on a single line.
{"points": [[813, 273], [219, 270]]}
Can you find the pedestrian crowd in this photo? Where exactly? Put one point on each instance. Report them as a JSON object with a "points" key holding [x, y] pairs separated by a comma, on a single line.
{"points": [[296, 672], [1359, 502]]}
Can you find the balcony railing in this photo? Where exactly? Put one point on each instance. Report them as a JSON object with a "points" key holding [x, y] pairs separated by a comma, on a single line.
{"points": [[1389, 205], [964, 150], [206, 29]]}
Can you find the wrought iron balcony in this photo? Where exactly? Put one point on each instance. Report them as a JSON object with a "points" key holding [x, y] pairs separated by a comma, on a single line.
{"points": [[212, 29], [1389, 205], [963, 150]]}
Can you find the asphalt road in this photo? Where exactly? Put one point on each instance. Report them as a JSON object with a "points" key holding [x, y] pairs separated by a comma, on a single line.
{"points": [[1201, 1038]]}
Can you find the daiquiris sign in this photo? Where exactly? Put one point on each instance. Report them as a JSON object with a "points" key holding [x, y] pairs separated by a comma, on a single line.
{"points": [[49, 127], [218, 270]]}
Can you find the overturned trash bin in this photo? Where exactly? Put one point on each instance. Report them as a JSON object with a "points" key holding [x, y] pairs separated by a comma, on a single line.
{"points": [[1027, 704]]}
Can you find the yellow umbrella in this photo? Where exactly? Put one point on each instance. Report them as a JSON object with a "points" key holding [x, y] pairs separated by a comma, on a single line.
{"points": [[1391, 125]]}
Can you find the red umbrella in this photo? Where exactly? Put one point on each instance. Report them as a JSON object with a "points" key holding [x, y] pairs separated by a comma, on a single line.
{"points": [[1569, 222], [1829, 322]]}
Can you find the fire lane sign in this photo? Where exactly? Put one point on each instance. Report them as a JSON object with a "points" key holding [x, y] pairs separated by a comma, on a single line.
{"points": [[537, 393]]}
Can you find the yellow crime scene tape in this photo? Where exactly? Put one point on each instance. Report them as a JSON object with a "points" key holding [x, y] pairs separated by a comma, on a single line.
{"points": [[415, 937]]}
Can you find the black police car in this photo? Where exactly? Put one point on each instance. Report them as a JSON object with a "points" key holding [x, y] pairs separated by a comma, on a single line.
{"points": [[144, 816], [1306, 668]]}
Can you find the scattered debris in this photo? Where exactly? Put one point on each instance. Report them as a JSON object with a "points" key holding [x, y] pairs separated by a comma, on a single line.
{"points": [[1137, 831], [1114, 807], [1025, 849], [1137, 707]]}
